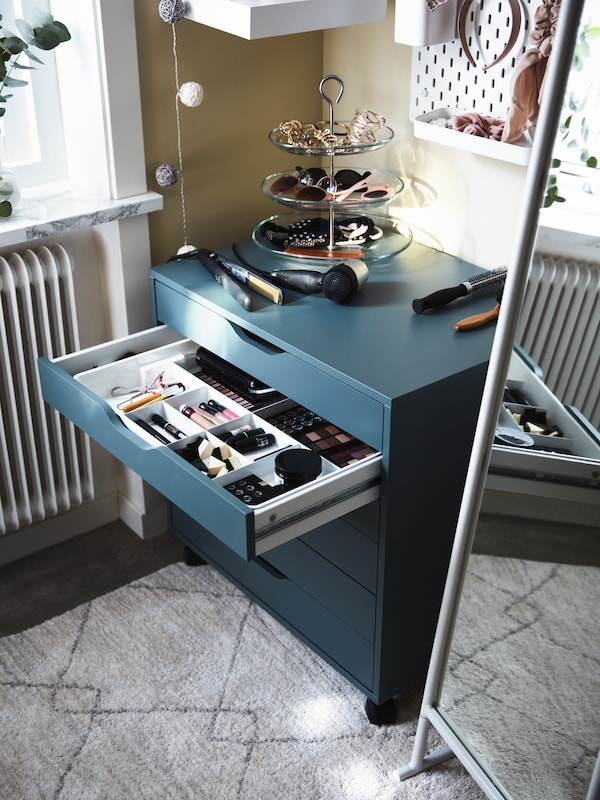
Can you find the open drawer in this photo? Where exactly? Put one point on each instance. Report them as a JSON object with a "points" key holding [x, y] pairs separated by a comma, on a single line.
{"points": [[204, 458], [538, 438]]}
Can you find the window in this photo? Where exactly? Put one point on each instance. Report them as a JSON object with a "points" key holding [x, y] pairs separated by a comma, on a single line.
{"points": [[578, 141], [32, 140]]}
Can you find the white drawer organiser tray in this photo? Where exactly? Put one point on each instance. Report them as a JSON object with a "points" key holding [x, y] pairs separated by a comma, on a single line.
{"points": [[104, 381]]}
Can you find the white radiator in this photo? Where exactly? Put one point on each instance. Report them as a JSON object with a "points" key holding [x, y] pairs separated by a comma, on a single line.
{"points": [[45, 465], [559, 328]]}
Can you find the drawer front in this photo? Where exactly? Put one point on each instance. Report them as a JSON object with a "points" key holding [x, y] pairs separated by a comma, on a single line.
{"points": [[247, 530], [298, 610], [291, 375], [342, 544], [327, 584]]}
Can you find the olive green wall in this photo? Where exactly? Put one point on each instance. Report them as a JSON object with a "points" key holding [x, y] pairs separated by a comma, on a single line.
{"points": [[250, 86], [463, 203]]}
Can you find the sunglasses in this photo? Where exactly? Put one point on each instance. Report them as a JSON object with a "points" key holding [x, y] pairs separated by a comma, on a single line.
{"points": [[315, 185]]}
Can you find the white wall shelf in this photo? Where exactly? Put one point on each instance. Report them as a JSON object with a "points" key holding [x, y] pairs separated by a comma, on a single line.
{"points": [[258, 19], [425, 127], [445, 83]]}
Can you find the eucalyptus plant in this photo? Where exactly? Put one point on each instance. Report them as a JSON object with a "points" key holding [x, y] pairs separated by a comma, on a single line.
{"points": [[574, 130], [43, 33]]}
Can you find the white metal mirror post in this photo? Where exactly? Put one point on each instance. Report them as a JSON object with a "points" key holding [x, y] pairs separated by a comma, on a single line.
{"points": [[554, 88]]}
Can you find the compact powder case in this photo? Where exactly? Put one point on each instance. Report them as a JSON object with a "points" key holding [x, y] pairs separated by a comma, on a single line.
{"points": [[296, 467]]}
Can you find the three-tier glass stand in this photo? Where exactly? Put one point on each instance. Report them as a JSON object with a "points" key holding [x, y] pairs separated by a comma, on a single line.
{"points": [[339, 220]]}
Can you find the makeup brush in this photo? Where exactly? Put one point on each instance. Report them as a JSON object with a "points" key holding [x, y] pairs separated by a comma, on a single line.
{"points": [[484, 282]]}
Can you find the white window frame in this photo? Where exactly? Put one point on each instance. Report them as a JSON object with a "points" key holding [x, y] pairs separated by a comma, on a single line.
{"points": [[38, 159], [100, 109]]}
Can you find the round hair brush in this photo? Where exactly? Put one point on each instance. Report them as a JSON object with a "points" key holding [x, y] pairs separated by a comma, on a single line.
{"points": [[485, 282]]}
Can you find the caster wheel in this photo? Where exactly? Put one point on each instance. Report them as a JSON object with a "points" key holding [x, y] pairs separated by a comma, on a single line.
{"points": [[384, 714], [191, 558]]}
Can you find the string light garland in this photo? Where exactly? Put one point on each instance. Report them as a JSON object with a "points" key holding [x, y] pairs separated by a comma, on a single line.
{"points": [[191, 94]]}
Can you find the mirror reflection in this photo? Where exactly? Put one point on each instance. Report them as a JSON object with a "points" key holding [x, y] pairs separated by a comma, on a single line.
{"points": [[522, 687]]}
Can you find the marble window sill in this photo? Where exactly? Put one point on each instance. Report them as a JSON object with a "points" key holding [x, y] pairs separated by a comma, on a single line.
{"points": [[43, 213]]}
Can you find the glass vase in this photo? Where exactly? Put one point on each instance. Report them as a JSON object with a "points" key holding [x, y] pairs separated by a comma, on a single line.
{"points": [[10, 191]]}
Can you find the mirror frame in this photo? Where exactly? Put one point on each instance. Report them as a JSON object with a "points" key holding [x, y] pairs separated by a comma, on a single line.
{"points": [[555, 83]]}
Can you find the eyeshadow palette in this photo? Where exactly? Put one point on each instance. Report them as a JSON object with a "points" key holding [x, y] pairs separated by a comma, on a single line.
{"points": [[319, 435], [170, 402]]}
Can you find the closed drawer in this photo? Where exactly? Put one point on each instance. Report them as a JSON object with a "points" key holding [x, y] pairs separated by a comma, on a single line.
{"points": [[331, 587], [336, 639], [86, 388], [342, 544], [291, 374]]}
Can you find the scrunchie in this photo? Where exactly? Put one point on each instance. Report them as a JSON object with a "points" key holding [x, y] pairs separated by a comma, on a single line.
{"points": [[478, 125], [527, 82]]}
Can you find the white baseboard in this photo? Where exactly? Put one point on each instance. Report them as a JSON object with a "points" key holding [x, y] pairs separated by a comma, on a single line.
{"points": [[85, 518], [147, 524]]}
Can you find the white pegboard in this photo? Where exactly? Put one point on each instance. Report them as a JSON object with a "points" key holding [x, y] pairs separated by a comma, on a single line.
{"points": [[443, 77]]}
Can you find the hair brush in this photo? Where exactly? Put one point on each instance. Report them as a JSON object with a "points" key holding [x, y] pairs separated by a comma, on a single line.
{"points": [[489, 281]]}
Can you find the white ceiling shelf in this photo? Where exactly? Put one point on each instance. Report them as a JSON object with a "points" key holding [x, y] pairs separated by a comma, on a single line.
{"points": [[258, 19]]}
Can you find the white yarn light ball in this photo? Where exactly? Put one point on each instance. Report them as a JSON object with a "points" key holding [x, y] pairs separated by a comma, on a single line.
{"points": [[171, 10], [166, 175], [191, 94]]}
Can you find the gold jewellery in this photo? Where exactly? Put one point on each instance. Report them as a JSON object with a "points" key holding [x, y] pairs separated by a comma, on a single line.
{"points": [[361, 130]]}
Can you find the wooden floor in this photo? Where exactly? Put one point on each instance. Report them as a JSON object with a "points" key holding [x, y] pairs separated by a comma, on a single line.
{"points": [[62, 577]]}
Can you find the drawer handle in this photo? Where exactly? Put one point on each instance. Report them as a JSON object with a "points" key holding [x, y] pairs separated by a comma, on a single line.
{"points": [[256, 341], [273, 571]]}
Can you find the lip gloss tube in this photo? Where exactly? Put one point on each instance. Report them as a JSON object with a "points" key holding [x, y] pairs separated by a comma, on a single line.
{"points": [[192, 414], [206, 414], [227, 412], [219, 415]]}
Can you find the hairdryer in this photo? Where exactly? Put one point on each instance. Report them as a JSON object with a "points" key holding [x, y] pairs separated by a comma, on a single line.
{"points": [[339, 283]]}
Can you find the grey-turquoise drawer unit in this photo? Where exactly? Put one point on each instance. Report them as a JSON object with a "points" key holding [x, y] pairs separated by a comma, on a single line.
{"points": [[352, 561]]}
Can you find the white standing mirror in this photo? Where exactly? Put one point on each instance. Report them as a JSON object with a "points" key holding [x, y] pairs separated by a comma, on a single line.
{"points": [[514, 681]]}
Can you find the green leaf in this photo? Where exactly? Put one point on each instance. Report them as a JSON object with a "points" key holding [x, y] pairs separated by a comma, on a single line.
{"points": [[25, 29], [14, 82], [50, 36], [40, 18], [592, 162], [32, 56], [5, 208], [556, 162], [13, 45]]}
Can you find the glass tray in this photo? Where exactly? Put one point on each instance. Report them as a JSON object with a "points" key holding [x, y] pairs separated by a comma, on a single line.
{"points": [[341, 147], [395, 237], [393, 183]]}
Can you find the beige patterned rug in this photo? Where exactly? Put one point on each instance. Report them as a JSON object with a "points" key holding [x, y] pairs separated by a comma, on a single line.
{"points": [[523, 682], [178, 686]]}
